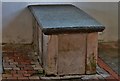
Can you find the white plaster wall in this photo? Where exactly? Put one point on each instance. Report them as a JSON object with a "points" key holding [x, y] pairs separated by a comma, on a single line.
{"points": [[0, 22], [60, 0], [0, 39], [107, 14], [17, 21]]}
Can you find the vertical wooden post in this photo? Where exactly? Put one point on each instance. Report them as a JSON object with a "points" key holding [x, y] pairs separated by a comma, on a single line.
{"points": [[50, 54], [92, 46], [37, 39], [40, 41]]}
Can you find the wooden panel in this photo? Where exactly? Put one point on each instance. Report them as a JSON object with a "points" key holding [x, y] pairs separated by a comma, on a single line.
{"points": [[71, 53], [40, 45], [37, 39], [92, 44], [50, 51]]}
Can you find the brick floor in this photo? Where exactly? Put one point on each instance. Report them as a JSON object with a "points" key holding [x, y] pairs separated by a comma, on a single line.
{"points": [[108, 52], [20, 66], [26, 66]]}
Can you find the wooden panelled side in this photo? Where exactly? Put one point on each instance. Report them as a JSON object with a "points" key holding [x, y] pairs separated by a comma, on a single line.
{"points": [[36, 39], [50, 52], [40, 39], [92, 52], [71, 53]]}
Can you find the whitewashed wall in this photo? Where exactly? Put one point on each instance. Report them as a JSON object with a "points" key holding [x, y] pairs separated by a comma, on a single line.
{"points": [[0, 22], [60, 0], [107, 14], [17, 21]]}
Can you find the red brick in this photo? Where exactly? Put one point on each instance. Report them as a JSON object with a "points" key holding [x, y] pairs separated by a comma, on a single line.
{"points": [[4, 78], [31, 72], [17, 75], [7, 68], [110, 78], [15, 63], [107, 68], [18, 60], [6, 75], [24, 62], [21, 65], [17, 55], [10, 60], [27, 75], [34, 77], [22, 77], [12, 78], [21, 72], [28, 68], [16, 68], [6, 64], [5, 58], [13, 72]]}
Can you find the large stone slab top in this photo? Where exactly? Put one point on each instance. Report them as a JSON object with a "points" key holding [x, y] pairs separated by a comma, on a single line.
{"points": [[57, 19]]}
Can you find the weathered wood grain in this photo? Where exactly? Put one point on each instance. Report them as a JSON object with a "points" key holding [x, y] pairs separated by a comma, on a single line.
{"points": [[92, 44], [40, 43], [37, 40], [50, 52], [71, 54], [65, 54]]}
